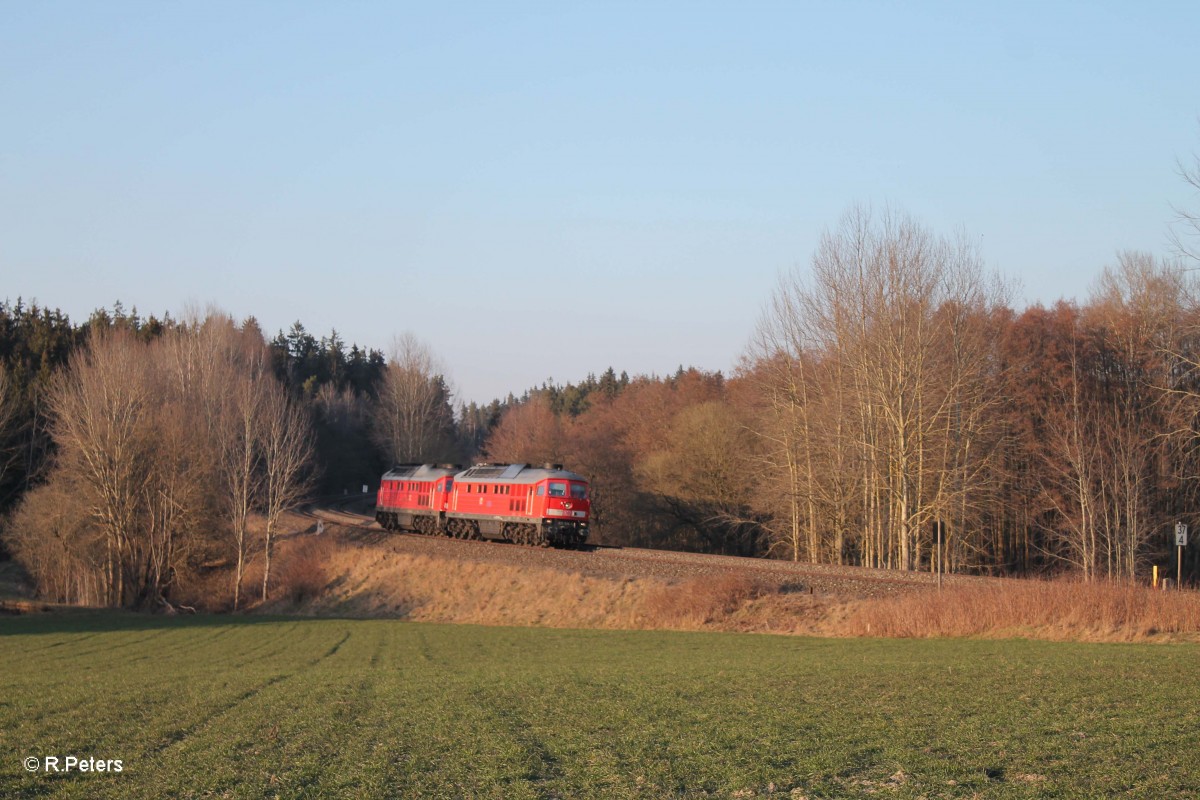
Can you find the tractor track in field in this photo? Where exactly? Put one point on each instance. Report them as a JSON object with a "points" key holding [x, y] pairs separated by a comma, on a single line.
{"points": [[630, 562]]}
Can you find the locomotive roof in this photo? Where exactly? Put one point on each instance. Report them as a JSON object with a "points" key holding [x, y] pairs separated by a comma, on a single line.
{"points": [[420, 471], [516, 473]]}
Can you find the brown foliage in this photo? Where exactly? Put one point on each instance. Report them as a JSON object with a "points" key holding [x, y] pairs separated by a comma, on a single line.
{"points": [[651, 453], [528, 433], [1060, 609]]}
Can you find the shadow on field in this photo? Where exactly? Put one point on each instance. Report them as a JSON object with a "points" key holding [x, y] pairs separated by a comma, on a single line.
{"points": [[91, 621]]}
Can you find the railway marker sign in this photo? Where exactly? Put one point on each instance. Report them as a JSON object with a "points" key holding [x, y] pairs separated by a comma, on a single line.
{"points": [[1180, 543]]}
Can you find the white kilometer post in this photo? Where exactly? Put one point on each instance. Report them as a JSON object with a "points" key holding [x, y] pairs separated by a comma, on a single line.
{"points": [[1180, 543]]}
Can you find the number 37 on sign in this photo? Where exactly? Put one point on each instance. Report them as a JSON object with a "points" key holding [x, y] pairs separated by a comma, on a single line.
{"points": [[1180, 534]]}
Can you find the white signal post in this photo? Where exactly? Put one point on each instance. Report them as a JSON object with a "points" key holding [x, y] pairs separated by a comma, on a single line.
{"points": [[1180, 543]]}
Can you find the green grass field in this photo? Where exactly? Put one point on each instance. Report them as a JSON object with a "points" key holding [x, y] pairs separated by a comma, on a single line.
{"points": [[225, 707]]}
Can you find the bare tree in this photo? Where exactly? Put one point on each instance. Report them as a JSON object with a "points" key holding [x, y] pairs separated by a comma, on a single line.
{"points": [[241, 461], [223, 373], [286, 442], [887, 347], [1140, 308], [176, 477], [61, 550], [414, 419], [782, 371], [101, 410], [1072, 461], [1185, 233], [156, 440]]}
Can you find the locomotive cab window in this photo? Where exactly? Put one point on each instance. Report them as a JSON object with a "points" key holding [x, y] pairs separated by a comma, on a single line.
{"points": [[579, 491], [558, 489], [541, 491]]}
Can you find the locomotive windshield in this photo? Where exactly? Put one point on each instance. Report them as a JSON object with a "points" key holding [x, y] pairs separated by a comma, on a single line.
{"points": [[558, 489], [579, 491]]}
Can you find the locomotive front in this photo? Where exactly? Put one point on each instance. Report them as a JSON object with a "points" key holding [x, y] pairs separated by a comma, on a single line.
{"points": [[567, 509]]}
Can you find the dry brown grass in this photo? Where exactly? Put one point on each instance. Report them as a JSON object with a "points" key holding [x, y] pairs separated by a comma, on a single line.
{"points": [[332, 575], [302, 570], [698, 603], [373, 581], [1059, 609], [367, 580]]}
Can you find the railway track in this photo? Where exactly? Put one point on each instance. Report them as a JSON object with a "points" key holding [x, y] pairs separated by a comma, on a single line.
{"points": [[627, 562], [335, 508]]}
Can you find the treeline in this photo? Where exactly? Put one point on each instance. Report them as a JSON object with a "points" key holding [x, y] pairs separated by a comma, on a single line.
{"points": [[164, 450], [141, 456], [894, 411], [36, 342], [910, 417]]}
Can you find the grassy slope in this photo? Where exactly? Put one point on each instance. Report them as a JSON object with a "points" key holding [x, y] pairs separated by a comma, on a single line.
{"points": [[260, 708], [328, 577]]}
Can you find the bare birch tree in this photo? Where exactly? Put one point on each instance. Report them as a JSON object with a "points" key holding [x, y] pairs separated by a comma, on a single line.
{"points": [[286, 441], [886, 344], [414, 419], [1139, 305], [240, 464]]}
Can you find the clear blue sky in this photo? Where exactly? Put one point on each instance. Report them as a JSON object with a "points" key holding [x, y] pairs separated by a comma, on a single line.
{"points": [[544, 190]]}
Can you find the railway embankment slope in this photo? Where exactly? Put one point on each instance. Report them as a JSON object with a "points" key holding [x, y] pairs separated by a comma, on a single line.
{"points": [[356, 570]]}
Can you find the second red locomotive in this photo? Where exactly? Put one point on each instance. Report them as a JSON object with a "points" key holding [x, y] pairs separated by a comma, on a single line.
{"points": [[546, 506]]}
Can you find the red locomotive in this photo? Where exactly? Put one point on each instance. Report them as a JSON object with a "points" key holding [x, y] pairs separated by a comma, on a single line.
{"points": [[546, 506]]}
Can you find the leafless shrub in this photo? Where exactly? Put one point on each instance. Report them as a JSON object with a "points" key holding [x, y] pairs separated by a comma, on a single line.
{"points": [[304, 571], [62, 554]]}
